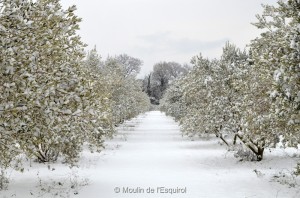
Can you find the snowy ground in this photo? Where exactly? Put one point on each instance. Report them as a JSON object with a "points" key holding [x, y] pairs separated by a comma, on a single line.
{"points": [[148, 156]]}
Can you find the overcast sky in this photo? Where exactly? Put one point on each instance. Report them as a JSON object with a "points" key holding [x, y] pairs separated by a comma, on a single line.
{"points": [[166, 30]]}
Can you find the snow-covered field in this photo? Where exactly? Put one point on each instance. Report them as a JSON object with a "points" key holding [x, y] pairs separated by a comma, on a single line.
{"points": [[148, 157]]}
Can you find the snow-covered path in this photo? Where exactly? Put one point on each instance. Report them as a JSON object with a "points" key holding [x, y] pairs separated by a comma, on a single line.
{"points": [[149, 153], [156, 155]]}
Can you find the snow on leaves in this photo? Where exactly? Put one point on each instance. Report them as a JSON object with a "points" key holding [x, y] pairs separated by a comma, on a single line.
{"points": [[52, 101], [253, 97]]}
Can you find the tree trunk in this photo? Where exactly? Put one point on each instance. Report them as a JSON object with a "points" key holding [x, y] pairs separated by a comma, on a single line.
{"points": [[254, 147]]}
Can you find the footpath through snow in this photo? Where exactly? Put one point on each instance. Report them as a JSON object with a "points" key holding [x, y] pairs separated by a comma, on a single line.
{"points": [[156, 156], [150, 158]]}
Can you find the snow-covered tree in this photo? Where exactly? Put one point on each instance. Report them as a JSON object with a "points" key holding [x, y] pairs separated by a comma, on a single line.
{"points": [[271, 88], [172, 103], [210, 97], [126, 93], [276, 56], [44, 94], [101, 116], [255, 98], [93, 60]]}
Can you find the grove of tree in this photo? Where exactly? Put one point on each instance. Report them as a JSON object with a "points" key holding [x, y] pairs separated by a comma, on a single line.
{"points": [[251, 96], [55, 99]]}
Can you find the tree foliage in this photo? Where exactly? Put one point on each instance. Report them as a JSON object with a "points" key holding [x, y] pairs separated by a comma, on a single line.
{"points": [[53, 101], [252, 97]]}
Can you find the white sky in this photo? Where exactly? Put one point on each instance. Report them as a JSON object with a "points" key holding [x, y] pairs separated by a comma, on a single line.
{"points": [[166, 30]]}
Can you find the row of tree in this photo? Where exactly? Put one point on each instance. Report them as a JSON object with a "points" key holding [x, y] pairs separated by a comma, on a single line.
{"points": [[253, 96], [54, 100]]}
